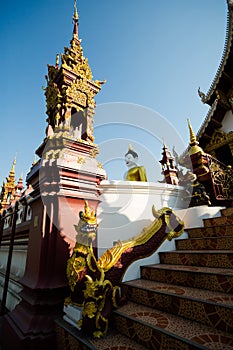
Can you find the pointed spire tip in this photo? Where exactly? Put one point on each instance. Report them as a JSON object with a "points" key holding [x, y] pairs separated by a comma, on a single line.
{"points": [[75, 20], [13, 165], [193, 138], [75, 10]]}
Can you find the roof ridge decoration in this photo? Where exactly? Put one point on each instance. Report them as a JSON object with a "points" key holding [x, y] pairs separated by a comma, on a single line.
{"points": [[227, 48], [207, 119]]}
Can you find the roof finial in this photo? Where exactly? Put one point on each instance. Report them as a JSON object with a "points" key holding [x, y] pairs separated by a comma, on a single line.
{"points": [[193, 141], [35, 160], [75, 20], [193, 138], [130, 147], [57, 59], [12, 171], [164, 144]]}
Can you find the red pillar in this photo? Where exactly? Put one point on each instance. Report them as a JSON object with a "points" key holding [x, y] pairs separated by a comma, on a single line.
{"points": [[58, 195]]}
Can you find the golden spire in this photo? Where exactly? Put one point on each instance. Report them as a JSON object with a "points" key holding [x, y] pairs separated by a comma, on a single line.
{"points": [[34, 160], [12, 171], [8, 188], [75, 21], [193, 138], [164, 144], [130, 147], [57, 59], [193, 141]]}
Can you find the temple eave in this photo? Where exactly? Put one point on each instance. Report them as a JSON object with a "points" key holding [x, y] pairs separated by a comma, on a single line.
{"points": [[224, 72], [67, 76]]}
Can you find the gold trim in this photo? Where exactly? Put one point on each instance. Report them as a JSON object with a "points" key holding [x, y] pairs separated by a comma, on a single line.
{"points": [[98, 290], [112, 255], [219, 139], [225, 56], [193, 141]]}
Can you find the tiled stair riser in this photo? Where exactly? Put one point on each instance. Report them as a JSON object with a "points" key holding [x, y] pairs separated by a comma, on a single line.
{"points": [[200, 298], [223, 220], [197, 258], [151, 337], [227, 211], [206, 312], [162, 331], [196, 277], [217, 231], [218, 243], [67, 340]]}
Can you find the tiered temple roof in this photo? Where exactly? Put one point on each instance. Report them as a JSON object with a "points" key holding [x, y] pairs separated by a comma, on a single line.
{"points": [[220, 94]]}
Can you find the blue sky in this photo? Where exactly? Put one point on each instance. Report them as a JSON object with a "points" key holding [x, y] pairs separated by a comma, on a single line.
{"points": [[153, 53]]}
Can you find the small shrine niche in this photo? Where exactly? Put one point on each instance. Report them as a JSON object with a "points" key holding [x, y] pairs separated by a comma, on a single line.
{"points": [[78, 124]]}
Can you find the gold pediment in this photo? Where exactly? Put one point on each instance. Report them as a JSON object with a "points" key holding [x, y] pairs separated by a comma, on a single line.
{"points": [[219, 139]]}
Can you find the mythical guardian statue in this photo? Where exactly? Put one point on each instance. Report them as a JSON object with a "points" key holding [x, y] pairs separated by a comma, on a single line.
{"points": [[94, 284]]}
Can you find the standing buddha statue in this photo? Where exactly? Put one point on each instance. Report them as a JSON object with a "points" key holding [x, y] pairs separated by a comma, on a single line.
{"points": [[135, 172]]}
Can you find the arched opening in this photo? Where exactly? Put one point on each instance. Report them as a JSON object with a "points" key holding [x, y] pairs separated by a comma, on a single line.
{"points": [[79, 124]]}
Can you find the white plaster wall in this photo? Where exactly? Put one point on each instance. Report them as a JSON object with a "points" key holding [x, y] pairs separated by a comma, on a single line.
{"points": [[193, 217], [17, 271], [227, 123], [14, 288], [126, 208]]}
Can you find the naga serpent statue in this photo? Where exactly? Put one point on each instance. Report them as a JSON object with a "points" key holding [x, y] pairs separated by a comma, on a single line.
{"points": [[94, 284]]}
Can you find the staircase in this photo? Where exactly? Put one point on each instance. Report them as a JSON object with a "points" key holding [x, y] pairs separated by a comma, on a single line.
{"points": [[186, 301]]}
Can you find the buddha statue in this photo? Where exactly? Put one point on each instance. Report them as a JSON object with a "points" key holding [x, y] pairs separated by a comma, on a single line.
{"points": [[135, 172]]}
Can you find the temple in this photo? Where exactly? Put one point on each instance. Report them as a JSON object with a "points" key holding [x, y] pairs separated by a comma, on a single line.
{"points": [[92, 263], [215, 134], [11, 191]]}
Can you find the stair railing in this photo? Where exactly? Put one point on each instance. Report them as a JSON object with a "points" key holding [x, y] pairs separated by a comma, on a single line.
{"points": [[221, 177]]}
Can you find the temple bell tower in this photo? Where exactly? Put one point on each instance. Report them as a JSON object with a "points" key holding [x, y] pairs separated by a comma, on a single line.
{"points": [[66, 174]]}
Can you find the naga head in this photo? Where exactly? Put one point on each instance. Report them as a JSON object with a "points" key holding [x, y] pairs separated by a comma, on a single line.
{"points": [[175, 226], [87, 226]]}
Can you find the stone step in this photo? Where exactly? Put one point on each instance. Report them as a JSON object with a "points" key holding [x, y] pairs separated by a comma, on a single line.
{"points": [[214, 231], [213, 309], [215, 279], [209, 258], [208, 243], [156, 330], [68, 337], [222, 220], [116, 341], [227, 211]]}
